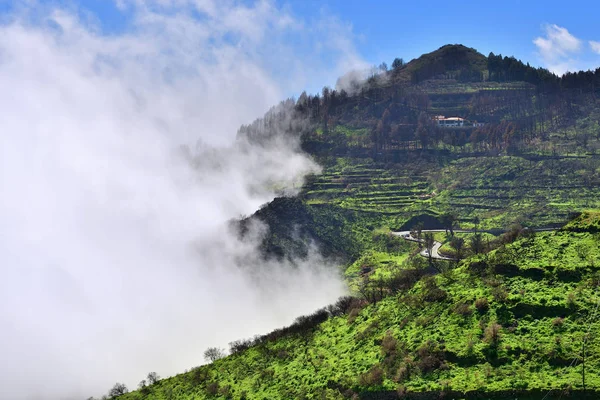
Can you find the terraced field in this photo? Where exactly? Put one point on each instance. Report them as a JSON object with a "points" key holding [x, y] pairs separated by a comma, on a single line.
{"points": [[496, 190], [369, 188], [500, 190]]}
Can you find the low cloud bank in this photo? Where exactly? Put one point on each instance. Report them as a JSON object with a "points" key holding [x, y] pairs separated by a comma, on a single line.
{"points": [[114, 250]]}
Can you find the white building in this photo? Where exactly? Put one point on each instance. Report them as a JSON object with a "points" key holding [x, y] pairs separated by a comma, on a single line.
{"points": [[449, 122], [453, 122]]}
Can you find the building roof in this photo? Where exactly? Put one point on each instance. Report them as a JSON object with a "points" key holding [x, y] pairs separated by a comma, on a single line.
{"points": [[442, 118]]}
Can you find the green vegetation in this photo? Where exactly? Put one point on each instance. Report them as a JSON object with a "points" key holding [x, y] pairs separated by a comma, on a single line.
{"points": [[515, 316], [514, 319]]}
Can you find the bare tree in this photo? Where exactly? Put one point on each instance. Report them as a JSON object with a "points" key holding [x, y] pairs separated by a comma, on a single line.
{"points": [[476, 243], [213, 354], [152, 378], [117, 390], [429, 242], [449, 220], [458, 244], [419, 231]]}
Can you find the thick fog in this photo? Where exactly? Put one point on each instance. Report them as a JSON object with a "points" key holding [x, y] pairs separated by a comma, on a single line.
{"points": [[114, 252]]}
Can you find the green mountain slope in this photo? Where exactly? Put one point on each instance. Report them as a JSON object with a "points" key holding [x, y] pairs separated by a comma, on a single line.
{"points": [[510, 321], [512, 318]]}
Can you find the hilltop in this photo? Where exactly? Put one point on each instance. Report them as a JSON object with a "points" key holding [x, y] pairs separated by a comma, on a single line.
{"points": [[509, 317], [456, 61]]}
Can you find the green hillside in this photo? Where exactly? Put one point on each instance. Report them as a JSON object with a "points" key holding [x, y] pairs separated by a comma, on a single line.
{"points": [[513, 320], [515, 316]]}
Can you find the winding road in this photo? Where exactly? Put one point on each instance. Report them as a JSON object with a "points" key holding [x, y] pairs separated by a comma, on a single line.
{"points": [[436, 245]]}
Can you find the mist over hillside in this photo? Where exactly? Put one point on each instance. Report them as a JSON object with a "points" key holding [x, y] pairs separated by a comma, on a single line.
{"points": [[115, 253], [157, 201]]}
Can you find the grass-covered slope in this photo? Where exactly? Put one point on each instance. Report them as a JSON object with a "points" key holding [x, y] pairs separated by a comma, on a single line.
{"points": [[512, 321]]}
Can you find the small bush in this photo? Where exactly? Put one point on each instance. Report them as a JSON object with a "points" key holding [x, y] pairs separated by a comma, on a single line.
{"points": [[405, 279], [463, 309], [389, 345], [558, 322], [571, 300], [425, 321], [482, 305], [478, 268], [405, 370], [282, 354], [373, 377], [199, 375], [492, 334], [500, 294], [238, 346], [432, 292], [353, 314], [431, 357], [225, 391], [341, 306], [212, 389]]}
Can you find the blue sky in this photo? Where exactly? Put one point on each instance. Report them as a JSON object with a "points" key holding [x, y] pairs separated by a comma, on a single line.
{"points": [[409, 28], [556, 35], [387, 29]]}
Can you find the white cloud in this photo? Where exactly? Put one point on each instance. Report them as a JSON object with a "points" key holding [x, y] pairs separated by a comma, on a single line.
{"points": [[595, 46], [557, 48], [114, 255], [557, 43]]}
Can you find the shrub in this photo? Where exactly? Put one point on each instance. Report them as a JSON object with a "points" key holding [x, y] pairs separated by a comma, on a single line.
{"points": [[482, 305], [405, 279], [463, 309], [212, 389], [199, 375], [225, 391], [558, 322], [389, 345], [405, 370], [431, 357], [492, 334], [373, 377], [282, 354], [238, 346], [478, 267], [353, 314], [341, 306], [500, 294], [571, 300], [432, 292]]}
